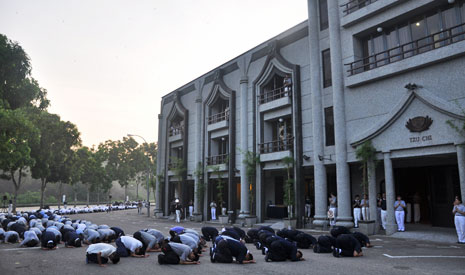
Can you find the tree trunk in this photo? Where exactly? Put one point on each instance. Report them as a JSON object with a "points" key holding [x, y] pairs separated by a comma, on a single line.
{"points": [[137, 191], [60, 193], [125, 192], [16, 188], [88, 193], [98, 196], [75, 196], [42, 191]]}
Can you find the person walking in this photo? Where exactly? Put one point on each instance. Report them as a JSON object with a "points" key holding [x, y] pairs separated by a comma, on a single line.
{"points": [[191, 208], [382, 204], [178, 209], [459, 219], [357, 212], [213, 209], [399, 207]]}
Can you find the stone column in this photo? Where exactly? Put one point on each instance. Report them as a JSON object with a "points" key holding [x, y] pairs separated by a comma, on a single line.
{"points": [[317, 115], [158, 190], [391, 226], [245, 211], [198, 145], [371, 169], [461, 164], [344, 213]]}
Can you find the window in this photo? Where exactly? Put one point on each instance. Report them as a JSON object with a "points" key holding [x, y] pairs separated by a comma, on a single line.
{"points": [[329, 126], [327, 81], [433, 29], [323, 5]]}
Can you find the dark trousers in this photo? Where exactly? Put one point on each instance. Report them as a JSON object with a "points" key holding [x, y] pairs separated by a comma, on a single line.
{"points": [[92, 258], [276, 252], [209, 233], [168, 256], [121, 250], [346, 249], [222, 253], [324, 244]]}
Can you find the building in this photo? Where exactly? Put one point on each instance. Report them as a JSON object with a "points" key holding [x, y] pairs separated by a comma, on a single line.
{"points": [[386, 71]]}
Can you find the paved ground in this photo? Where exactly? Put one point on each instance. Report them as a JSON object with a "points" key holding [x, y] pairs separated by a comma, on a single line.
{"points": [[390, 255]]}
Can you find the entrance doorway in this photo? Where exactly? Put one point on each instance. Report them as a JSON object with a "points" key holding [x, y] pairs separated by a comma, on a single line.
{"points": [[434, 187]]}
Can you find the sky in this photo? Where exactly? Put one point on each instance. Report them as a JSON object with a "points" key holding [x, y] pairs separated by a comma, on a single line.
{"points": [[106, 63]]}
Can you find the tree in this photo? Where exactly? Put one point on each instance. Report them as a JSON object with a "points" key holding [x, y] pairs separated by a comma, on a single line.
{"points": [[17, 135], [365, 154], [289, 186], [178, 169], [17, 88], [251, 160]]}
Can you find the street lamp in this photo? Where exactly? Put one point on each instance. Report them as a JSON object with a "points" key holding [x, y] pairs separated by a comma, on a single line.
{"points": [[148, 175]]}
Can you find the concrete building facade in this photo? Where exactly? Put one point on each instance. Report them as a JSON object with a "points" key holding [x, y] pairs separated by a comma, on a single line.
{"points": [[386, 71]]}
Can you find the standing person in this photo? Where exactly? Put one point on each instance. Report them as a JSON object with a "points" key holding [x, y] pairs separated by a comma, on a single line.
{"points": [[191, 208], [178, 210], [333, 208], [357, 214], [416, 207], [382, 204], [365, 208], [213, 209], [459, 219], [399, 207], [378, 207], [139, 207], [287, 84], [308, 207]]}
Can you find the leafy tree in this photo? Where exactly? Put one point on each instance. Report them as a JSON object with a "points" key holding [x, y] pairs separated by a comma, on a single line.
{"points": [[251, 160], [365, 153], [17, 136], [289, 185]]}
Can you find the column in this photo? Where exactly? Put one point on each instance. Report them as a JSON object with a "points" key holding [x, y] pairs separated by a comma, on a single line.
{"points": [[244, 147], [391, 226], [198, 143], [372, 193], [317, 115], [461, 164], [344, 213], [158, 192]]}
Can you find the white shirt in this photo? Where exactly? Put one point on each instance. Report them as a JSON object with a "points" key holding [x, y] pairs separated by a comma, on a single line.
{"points": [[105, 249], [131, 243]]}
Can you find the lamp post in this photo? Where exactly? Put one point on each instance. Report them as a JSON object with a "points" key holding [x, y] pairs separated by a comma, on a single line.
{"points": [[148, 176]]}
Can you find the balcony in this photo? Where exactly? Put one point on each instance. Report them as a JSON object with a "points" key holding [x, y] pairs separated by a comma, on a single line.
{"points": [[219, 159], [354, 5], [401, 52], [274, 99], [276, 150], [218, 121], [175, 133]]}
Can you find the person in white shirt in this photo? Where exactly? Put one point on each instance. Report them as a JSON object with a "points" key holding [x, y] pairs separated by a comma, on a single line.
{"points": [[100, 253], [128, 246], [213, 209], [365, 208], [399, 207], [30, 239], [333, 208], [459, 219]]}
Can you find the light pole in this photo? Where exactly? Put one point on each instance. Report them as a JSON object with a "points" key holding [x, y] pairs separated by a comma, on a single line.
{"points": [[148, 176]]}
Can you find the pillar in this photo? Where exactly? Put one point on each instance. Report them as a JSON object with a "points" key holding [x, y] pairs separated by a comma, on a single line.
{"points": [[461, 164], [198, 144], [245, 211], [372, 193], [158, 190], [391, 226], [344, 213], [317, 115]]}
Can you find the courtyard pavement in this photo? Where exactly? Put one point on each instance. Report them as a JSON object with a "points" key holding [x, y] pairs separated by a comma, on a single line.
{"points": [[390, 255]]}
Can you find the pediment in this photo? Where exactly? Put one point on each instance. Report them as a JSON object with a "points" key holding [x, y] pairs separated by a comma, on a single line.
{"points": [[419, 119]]}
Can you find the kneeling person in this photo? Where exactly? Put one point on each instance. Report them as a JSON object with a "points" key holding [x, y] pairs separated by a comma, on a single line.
{"points": [[100, 254]]}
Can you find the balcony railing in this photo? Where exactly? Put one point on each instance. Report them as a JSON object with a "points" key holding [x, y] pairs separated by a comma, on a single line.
{"points": [[277, 145], [278, 93], [218, 117], [219, 159], [354, 5], [427, 43], [175, 130]]}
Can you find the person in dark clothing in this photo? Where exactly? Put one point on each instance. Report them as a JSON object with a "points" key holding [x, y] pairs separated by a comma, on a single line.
{"points": [[238, 230], [363, 239], [227, 248], [168, 256], [288, 233], [347, 246], [19, 228], [231, 233], [118, 231], [304, 240], [262, 235], [49, 241], [338, 230], [72, 239], [267, 228], [324, 244], [252, 236], [282, 250], [209, 233]]}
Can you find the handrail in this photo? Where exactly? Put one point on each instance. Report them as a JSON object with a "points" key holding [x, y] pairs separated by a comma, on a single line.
{"points": [[354, 5], [218, 159], [175, 130], [277, 93], [277, 145], [218, 117], [407, 50]]}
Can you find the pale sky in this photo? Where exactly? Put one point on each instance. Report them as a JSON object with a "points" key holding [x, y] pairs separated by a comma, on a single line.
{"points": [[106, 64]]}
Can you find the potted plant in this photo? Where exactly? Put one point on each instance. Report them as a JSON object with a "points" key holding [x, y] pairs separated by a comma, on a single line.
{"points": [[223, 218], [251, 160], [198, 173], [366, 153], [290, 221]]}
